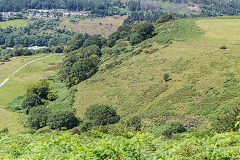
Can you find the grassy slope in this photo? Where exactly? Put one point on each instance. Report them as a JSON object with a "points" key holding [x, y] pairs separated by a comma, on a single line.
{"points": [[92, 26], [17, 85], [14, 23], [221, 30], [35, 71], [197, 67]]}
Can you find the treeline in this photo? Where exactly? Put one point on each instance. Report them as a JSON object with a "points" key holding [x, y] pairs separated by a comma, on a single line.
{"points": [[100, 7], [138, 16], [116, 7], [41, 33], [36, 33], [84, 53], [214, 7], [6, 54]]}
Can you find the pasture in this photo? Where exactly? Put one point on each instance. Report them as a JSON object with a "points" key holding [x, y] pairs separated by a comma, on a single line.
{"points": [[220, 30], [17, 84], [14, 23], [103, 26]]}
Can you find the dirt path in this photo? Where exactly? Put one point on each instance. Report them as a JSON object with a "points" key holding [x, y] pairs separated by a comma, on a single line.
{"points": [[7, 79]]}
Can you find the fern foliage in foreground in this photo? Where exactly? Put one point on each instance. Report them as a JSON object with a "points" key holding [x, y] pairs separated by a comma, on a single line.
{"points": [[103, 146]]}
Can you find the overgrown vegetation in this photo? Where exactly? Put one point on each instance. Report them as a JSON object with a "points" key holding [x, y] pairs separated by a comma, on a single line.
{"points": [[183, 93], [40, 111]]}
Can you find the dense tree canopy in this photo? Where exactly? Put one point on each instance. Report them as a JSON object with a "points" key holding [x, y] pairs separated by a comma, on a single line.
{"points": [[100, 7]]}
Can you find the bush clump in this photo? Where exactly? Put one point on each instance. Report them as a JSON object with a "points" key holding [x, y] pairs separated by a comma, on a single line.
{"points": [[40, 88], [165, 18], [225, 117], [223, 47], [59, 119], [38, 117], [134, 122], [86, 126], [4, 130], [30, 101], [166, 77], [173, 127], [101, 114], [76, 130]]}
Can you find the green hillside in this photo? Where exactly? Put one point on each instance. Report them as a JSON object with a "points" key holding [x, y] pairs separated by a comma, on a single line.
{"points": [[17, 84], [203, 76], [174, 95]]}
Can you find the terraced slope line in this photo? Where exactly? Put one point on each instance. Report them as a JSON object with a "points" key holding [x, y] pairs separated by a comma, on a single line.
{"points": [[157, 99], [7, 79]]}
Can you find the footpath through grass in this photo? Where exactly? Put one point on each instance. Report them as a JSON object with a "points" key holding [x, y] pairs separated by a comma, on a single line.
{"points": [[16, 86]]}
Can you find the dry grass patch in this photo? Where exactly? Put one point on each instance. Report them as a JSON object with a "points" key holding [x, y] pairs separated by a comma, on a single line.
{"points": [[103, 26]]}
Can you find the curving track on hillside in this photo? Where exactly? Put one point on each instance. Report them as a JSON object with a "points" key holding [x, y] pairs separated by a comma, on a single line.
{"points": [[20, 68]]}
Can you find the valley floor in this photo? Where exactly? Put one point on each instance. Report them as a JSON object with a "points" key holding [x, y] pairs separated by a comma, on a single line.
{"points": [[17, 84]]}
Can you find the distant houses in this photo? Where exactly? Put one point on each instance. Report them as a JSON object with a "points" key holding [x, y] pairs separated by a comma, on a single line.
{"points": [[47, 13], [6, 14]]}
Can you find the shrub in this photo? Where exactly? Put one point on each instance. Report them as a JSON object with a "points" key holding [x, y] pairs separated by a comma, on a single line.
{"points": [[62, 118], [165, 18], [45, 131], [151, 51], [76, 130], [4, 130], [58, 49], [15, 104], [30, 101], [38, 117], [52, 96], [166, 77], [95, 59], [40, 88], [173, 127], [134, 122], [29, 131], [101, 114], [122, 130], [225, 117], [135, 38], [86, 126], [83, 69], [223, 47], [136, 52], [145, 30], [91, 50]]}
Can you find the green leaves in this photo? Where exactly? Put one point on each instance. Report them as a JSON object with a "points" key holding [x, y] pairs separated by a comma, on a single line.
{"points": [[141, 146], [101, 114]]}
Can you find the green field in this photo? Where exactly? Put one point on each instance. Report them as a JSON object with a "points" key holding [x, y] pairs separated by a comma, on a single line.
{"points": [[203, 78], [13, 23], [103, 26], [16, 85], [222, 31], [11, 121], [32, 73], [196, 65]]}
